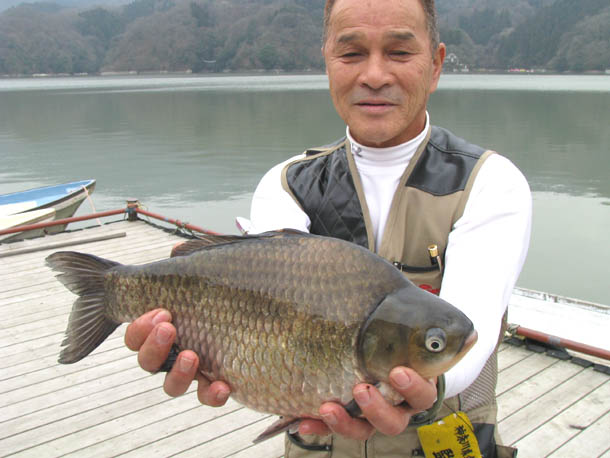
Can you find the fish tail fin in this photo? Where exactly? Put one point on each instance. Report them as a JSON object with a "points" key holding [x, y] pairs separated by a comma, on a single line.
{"points": [[89, 325]]}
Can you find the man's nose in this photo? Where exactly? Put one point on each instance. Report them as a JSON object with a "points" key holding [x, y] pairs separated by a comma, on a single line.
{"points": [[376, 73]]}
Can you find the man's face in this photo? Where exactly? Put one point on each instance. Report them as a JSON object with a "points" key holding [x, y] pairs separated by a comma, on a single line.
{"points": [[381, 68]]}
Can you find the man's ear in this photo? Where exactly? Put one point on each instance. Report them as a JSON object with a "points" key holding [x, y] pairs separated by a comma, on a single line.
{"points": [[438, 59], [325, 66]]}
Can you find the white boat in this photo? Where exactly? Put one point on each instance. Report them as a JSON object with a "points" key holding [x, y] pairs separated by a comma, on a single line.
{"points": [[63, 198], [22, 219]]}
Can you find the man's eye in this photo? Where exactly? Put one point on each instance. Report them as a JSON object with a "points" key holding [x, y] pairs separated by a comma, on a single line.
{"points": [[350, 54]]}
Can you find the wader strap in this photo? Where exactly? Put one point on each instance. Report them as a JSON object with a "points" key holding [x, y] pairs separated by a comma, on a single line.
{"points": [[428, 416], [296, 440]]}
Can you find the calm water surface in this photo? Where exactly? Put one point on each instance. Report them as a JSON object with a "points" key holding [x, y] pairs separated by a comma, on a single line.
{"points": [[194, 148]]}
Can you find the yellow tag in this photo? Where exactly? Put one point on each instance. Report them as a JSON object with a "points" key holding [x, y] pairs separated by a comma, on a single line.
{"points": [[451, 437]]}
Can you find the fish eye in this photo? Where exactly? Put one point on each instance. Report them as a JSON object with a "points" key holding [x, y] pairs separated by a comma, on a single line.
{"points": [[436, 340]]}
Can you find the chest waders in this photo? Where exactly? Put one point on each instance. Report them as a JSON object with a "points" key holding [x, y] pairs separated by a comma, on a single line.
{"points": [[431, 196]]}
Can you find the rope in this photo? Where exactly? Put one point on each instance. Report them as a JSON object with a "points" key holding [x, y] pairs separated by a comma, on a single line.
{"points": [[91, 203]]}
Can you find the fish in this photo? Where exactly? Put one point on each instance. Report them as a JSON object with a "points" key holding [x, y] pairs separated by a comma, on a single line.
{"points": [[289, 320]]}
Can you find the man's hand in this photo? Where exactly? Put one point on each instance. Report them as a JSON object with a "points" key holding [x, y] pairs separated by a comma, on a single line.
{"points": [[379, 415], [152, 336]]}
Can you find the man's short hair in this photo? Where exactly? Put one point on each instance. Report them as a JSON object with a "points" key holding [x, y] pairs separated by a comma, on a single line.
{"points": [[429, 9]]}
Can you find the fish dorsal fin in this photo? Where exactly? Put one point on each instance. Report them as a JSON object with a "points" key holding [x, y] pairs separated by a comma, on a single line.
{"points": [[208, 240], [205, 241]]}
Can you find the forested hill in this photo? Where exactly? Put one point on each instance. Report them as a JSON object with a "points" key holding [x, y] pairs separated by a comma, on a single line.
{"points": [[74, 36]]}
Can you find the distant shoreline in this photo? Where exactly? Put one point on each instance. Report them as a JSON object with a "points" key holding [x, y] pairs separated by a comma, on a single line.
{"points": [[280, 72]]}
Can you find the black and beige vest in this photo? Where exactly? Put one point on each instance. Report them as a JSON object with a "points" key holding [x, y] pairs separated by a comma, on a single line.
{"points": [[430, 198]]}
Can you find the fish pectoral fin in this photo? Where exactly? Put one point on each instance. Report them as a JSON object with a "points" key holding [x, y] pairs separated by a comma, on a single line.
{"points": [[281, 425], [171, 359], [353, 409]]}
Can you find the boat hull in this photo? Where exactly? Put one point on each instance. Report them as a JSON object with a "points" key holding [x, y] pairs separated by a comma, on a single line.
{"points": [[64, 199], [23, 219]]}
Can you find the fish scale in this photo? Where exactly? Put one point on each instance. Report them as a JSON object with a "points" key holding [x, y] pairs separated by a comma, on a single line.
{"points": [[288, 320]]}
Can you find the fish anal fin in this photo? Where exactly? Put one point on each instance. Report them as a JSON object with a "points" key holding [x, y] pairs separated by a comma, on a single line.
{"points": [[281, 425]]}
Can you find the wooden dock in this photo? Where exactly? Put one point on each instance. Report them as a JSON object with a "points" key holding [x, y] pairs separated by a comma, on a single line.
{"points": [[105, 405]]}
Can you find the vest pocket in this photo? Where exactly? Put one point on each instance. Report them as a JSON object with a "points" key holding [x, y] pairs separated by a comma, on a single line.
{"points": [[428, 278], [414, 269]]}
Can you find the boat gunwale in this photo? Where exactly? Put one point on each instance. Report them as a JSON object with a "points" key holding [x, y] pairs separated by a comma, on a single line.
{"points": [[75, 187]]}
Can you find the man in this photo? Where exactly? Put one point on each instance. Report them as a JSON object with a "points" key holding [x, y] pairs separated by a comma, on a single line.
{"points": [[396, 184]]}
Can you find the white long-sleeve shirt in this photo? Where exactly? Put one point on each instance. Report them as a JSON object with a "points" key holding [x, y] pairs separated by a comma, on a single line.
{"points": [[486, 248]]}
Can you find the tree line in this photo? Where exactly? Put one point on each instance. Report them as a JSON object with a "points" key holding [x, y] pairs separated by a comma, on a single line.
{"points": [[251, 35]]}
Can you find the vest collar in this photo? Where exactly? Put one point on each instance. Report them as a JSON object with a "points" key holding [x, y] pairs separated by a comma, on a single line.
{"points": [[394, 156]]}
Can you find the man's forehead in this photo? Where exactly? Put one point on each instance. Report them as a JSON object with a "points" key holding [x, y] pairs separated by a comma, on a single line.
{"points": [[350, 36], [391, 15]]}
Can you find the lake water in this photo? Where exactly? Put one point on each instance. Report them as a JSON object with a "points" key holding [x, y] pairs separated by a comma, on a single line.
{"points": [[194, 148]]}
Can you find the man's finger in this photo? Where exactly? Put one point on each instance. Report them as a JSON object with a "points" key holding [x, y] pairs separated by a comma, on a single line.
{"points": [[138, 331], [384, 417], [340, 422], [156, 347], [178, 380], [420, 393], [213, 394], [310, 426]]}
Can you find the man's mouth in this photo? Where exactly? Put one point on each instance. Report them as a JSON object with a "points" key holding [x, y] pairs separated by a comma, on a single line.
{"points": [[375, 103], [375, 106]]}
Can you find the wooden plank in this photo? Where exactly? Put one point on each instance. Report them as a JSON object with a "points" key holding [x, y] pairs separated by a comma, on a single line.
{"points": [[76, 234], [39, 312], [523, 370], [592, 442], [62, 380], [239, 441], [154, 407], [272, 448], [134, 236], [41, 285], [62, 245], [30, 331], [29, 351], [41, 373], [508, 358], [519, 424], [44, 368], [519, 396], [22, 272], [138, 406], [70, 393], [103, 401], [138, 236], [149, 254], [141, 435], [569, 423], [203, 435]]}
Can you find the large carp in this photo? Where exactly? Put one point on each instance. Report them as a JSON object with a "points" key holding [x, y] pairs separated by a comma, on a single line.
{"points": [[289, 320]]}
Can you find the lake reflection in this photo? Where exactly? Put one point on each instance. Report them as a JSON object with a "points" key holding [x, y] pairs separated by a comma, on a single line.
{"points": [[194, 148]]}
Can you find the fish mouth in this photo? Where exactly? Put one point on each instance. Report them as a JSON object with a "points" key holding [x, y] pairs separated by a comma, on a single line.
{"points": [[468, 343]]}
